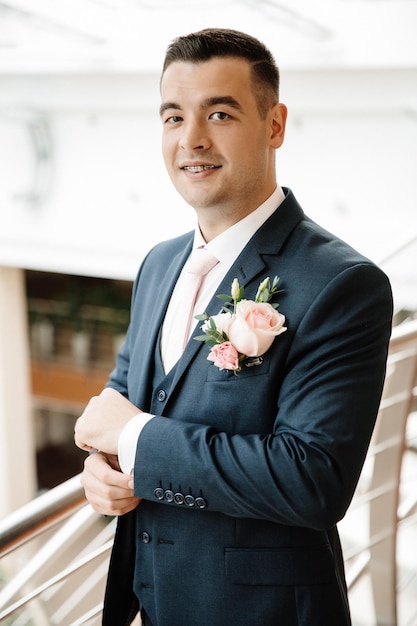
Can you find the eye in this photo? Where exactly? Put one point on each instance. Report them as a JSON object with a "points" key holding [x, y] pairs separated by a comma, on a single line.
{"points": [[220, 116], [173, 119]]}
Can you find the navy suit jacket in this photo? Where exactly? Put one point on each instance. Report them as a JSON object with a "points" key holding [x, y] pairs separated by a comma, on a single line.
{"points": [[244, 478]]}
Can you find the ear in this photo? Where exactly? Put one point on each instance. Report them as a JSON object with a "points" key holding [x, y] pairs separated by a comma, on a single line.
{"points": [[278, 120]]}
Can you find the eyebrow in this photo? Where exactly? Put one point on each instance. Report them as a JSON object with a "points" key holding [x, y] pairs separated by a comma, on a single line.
{"points": [[205, 104]]}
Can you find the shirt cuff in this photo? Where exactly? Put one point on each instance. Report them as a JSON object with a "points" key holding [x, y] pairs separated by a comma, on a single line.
{"points": [[128, 441]]}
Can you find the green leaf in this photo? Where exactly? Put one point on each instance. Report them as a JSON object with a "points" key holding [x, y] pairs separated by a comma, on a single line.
{"points": [[275, 283], [202, 338]]}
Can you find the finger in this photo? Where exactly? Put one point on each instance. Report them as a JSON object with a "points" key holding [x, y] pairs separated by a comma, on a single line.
{"points": [[114, 509], [113, 461], [83, 446], [110, 506], [105, 488], [105, 470], [78, 438], [105, 499]]}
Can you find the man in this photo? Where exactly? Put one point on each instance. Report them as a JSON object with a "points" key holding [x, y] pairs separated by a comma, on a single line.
{"points": [[236, 471]]}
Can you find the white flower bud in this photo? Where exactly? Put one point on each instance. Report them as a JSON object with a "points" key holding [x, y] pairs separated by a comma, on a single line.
{"points": [[235, 290]]}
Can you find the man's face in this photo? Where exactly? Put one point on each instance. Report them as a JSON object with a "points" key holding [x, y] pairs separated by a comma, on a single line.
{"points": [[218, 151]]}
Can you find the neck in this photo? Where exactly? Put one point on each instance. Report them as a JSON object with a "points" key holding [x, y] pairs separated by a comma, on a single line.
{"points": [[213, 221]]}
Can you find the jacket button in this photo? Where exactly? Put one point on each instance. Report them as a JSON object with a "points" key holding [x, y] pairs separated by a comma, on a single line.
{"points": [[161, 395], [179, 498], [200, 503], [189, 500], [169, 495], [145, 537], [159, 493]]}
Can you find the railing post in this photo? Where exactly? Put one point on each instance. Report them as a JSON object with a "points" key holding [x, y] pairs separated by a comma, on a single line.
{"points": [[17, 449]]}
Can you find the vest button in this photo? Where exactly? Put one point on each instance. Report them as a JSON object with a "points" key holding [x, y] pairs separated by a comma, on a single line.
{"points": [[145, 537], [161, 395]]}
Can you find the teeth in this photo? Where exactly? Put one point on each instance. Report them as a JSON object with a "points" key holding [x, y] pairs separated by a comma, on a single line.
{"points": [[198, 168]]}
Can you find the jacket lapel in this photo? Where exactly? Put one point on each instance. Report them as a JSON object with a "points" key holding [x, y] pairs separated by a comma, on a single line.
{"points": [[165, 288], [167, 284], [251, 264]]}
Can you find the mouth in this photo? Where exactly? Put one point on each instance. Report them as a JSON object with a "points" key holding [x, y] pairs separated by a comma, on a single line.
{"points": [[197, 169]]}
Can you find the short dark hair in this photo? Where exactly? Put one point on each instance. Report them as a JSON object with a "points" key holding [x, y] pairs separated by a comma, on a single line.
{"points": [[223, 42]]}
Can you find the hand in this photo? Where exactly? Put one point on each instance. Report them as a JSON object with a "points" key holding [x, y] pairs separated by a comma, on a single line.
{"points": [[108, 490], [103, 420]]}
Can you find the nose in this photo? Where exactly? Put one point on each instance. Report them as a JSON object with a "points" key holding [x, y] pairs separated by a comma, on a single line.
{"points": [[194, 136]]}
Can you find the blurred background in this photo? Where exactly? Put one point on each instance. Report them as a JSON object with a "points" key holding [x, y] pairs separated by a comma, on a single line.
{"points": [[84, 193], [83, 188]]}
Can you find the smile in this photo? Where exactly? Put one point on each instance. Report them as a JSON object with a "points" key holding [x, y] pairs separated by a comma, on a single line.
{"points": [[196, 169]]}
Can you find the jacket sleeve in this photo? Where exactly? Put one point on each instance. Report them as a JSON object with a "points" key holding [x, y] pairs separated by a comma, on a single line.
{"points": [[304, 470]]}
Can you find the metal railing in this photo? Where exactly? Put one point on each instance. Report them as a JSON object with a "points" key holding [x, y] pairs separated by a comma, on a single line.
{"points": [[54, 550], [55, 553], [403, 334], [41, 514]]}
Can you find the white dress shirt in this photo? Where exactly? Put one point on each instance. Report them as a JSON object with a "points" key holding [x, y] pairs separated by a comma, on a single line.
{"points": [[226, 247]]}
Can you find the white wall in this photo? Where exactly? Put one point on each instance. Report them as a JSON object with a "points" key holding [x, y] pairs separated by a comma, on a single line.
{"points": [[350, 157]]}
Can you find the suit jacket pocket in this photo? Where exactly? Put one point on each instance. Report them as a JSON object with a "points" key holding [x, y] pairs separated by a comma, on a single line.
{"points": [[252, 367], [307, 565]]}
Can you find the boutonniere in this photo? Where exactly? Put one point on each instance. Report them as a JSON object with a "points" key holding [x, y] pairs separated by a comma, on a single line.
{"points": [[244, 329]]}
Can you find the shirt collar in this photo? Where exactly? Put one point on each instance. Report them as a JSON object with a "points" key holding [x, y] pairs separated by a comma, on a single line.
{"points": [[228, 245]]}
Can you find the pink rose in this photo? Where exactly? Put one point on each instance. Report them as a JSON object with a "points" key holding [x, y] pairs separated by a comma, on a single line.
{"points": [[254, 327], [224, 356]]}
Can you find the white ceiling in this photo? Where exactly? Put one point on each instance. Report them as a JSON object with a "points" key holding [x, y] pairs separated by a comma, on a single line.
{"points": [[132, 35]]}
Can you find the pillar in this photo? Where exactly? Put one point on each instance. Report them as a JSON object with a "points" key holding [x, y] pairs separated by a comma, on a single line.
{"points": [[17, 447]]}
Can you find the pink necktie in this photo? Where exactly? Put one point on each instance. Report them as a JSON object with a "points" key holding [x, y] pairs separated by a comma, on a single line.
{"points": [[199, 263]]}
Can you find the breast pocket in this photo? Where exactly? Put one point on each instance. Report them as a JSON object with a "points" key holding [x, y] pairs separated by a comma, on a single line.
{"points": [[251, 368]]}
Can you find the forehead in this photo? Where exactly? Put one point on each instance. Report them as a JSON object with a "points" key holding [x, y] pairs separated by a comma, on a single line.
{"points": [[219, 76]]}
